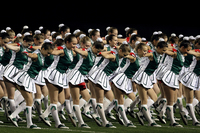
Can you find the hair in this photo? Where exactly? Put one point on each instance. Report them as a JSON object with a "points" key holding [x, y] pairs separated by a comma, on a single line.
{"points": [[26, 30], [18, 40], [98, 45], [155, 37], [38, 36], [134, 37], [93, 33], [109, 38], [63, 28], [140, 46], [44, 30], [180, 39], [185, 44], [28, 38], [162, 44], [197, 41], [69, 38], [125, 48], [47, 45], [111, 29], [4, 35], [59, 42], [10, 32], [173, 39], [79, 33], [55, 35], [85, 39], [130, 31]]}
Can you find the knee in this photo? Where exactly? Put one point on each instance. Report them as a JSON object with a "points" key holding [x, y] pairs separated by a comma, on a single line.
{"points": [[100, 100], [121, 101], [29, 101]]}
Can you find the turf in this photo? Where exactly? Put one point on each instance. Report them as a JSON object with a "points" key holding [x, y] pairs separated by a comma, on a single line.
{"points": [[8, 127]]}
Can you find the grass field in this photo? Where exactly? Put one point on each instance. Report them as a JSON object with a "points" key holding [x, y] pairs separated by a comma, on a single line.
{"points": [[7, 127]]}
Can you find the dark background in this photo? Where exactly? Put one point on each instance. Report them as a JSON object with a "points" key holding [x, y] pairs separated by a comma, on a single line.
{"points": [[147, 17]]}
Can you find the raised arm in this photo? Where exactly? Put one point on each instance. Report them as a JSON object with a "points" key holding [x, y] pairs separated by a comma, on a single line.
{"points": [[81, 51], [13, 46], [108, 55]]}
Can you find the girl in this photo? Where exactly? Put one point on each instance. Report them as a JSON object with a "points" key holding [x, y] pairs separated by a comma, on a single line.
{"points": [[24, 80], [63, 29], [169, 76], [94, 34], [122, 83], [148, 63], [56, 78], [190, 81], [17, 63], [78, 75], [100, 78]]}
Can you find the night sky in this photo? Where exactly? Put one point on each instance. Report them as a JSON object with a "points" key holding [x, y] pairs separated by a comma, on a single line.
{"points": [[146, 17]]}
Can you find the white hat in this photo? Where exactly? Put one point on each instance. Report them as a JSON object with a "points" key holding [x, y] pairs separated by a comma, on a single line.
{"points": [[53, 32], [61, 25], [155, 33], [99, 39], [41, 27], [37, 32], [76, 31], [19, 35], [124, 42], [27, 34], [180, 36], [173, 34], [67, 34], [161, 40], [107, 28], [8, 28], [25, 27], [127, 28], [81, 36], [89, 30], [186, 38], [191, 38], [119, 36]]}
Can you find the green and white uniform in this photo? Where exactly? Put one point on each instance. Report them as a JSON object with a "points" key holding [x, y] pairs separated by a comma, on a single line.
{"points": [[57, 73], [105, 68], [26, 76], [17, 62], [123, 80], [83, 66], [147, 68], [171, 74], [39, 79], [1, 66], [191, 78]]}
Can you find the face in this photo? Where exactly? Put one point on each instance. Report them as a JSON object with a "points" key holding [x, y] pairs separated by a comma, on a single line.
{"points": [[5, 41], [123, 54], [47, 35], [142, 52], [38, 42], [12, 37], [47, 52], [86, 45], [94, 38], [197, 46], [161, 50], [95, 50], [27, 44], [72, 44], [115, 32], [185, 50], [113, 42]]}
